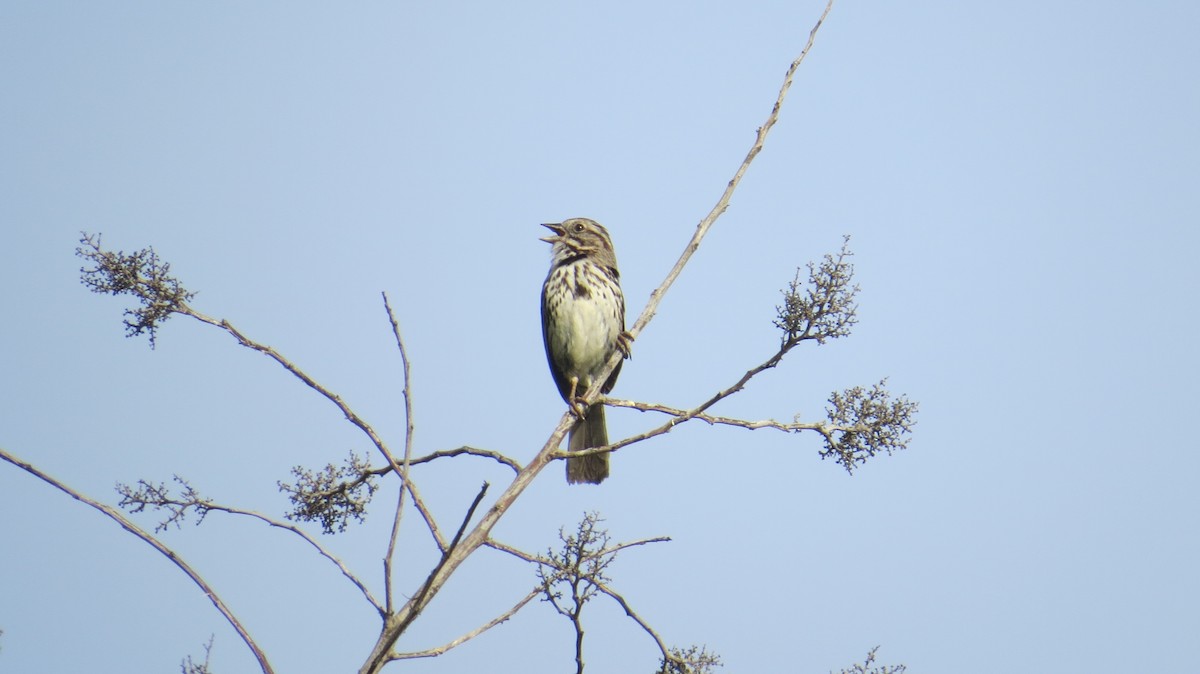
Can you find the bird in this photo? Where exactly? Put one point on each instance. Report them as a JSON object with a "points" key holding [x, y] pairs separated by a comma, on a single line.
{"points": [[583, 324]]}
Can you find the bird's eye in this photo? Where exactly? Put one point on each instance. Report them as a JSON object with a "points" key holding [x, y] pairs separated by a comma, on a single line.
{"points": [[579, 227]]}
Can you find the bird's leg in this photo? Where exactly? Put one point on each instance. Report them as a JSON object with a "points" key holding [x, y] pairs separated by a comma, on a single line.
{"points": [[576, 405]]}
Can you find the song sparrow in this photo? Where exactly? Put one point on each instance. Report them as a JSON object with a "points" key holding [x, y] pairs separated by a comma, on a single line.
{"points": [[583, 322]]}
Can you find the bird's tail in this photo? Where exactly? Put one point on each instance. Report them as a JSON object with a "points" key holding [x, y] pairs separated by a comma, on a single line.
{"points": [[591, 431]]}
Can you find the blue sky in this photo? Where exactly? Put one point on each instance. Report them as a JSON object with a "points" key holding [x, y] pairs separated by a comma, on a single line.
{"points": [[1019, 181]]}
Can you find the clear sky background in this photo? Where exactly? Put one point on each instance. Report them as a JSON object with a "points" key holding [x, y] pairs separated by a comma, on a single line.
{"points": [[1021, 181]]}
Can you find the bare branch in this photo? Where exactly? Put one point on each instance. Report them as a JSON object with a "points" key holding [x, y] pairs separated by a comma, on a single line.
{"points": [[515, 552], [420, 598], [666, 652], [535, 559], [687, 415], [351, 416], [408, 445], [822, 428], [471, 451], [303, 376], [861, 423], [116, 516], [434, 652], [158, 497], [693, 660], [707, 222], [397, 623]]}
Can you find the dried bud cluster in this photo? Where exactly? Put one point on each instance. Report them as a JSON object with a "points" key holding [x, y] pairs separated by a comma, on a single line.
{"points": [[331, 495], [144, 495], [690, 660], [140, 274], [877, 422], [578, 565], [824, 307]]}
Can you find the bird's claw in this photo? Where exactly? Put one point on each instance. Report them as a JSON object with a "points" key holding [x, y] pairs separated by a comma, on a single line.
{"points": [[624, 343]]}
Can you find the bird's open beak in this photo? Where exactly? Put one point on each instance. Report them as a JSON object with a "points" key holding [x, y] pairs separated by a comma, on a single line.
{"points": [[555, 227]]}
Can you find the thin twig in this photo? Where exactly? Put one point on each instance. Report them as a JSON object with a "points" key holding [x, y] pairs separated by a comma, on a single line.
{"points": [[687, 415], [680, 416], [636, 618], [515, 552], [822, 428], [434, 652], [537, 559], [428, 585], [717, 210], [116, 516], [334, 398], [471, 451], [210, 506], [299, 374], [408, 445], [447, 453]]}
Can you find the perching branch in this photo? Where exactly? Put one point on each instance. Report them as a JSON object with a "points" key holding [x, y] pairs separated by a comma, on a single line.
{"points": [[860, 423], [794, 427], [480, 534], [116, 516], [709, 220], [823, 309]]}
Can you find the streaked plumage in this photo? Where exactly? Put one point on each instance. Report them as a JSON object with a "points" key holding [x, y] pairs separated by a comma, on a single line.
{"points": [[583, 322]]}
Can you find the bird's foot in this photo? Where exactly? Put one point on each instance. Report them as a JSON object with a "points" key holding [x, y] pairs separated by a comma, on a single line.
{"points": [[576, 403], [624, 343]]}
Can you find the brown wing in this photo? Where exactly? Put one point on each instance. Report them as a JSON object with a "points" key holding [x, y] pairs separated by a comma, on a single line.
{"points": [[564, 386]]}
